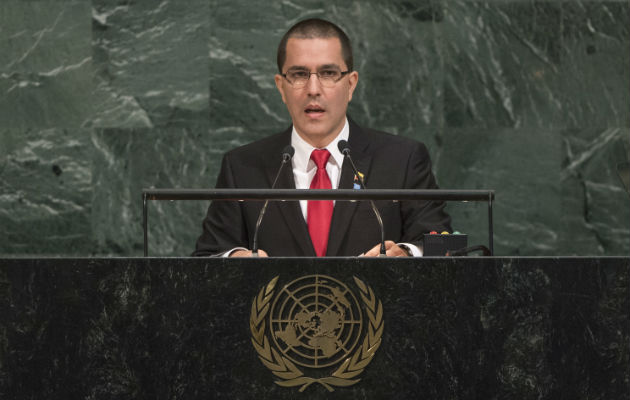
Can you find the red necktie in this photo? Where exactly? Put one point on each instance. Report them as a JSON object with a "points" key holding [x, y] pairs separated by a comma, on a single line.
{"points": [[319, 212]]}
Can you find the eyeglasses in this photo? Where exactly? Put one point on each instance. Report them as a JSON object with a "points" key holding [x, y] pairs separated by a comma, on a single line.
{"points": [[328, 77]]}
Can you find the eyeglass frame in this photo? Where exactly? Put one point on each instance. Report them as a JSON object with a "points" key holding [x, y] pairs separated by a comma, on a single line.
{"points": [[343, 74]]}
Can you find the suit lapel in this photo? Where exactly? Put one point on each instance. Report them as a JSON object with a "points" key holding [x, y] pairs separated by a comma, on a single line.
{"points": [[290, 210], [344, 210]]}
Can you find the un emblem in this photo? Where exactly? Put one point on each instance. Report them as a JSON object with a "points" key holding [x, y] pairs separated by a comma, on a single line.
{"points": [[316, 322]]}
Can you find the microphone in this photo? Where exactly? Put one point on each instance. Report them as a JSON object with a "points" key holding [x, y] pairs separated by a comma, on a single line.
{"points": [[345, 150], [287, 154]]}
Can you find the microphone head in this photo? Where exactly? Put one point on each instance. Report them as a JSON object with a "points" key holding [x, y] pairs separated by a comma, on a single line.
{"points": [[343, 147], [288, 152]]}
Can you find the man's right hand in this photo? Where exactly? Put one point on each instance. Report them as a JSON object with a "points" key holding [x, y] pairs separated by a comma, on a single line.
{"points": [[391, 249], [248, 253]]}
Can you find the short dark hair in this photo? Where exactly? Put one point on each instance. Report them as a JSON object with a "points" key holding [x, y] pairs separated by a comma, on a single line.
{"points": [[315, 28]]}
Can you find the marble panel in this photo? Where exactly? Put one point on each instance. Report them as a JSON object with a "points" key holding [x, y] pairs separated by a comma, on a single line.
{"points": [[595, 204], [45, 192], [541, 64], [514, 95], [151, 61], [594, 78], [397, 89], [400, 66], [125, 162], [523, 167], [45, 64], [557, 192]]}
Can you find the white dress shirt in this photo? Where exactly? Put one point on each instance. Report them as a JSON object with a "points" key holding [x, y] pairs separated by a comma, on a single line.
{"points": [[304, 168]]}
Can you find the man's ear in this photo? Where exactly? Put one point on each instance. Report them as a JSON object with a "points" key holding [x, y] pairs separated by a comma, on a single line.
{"points": [[278, 78], [353, 80]]}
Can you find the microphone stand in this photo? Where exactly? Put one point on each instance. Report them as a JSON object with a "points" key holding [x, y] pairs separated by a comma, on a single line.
{"points": [[345, 150], [287, 154]]}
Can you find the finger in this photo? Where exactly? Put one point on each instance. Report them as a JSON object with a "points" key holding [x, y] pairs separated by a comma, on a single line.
{"points": [[373, 252], [248, 253], [389, 244], [376, 250], [259, 253], [395, 251], [241, 253]]}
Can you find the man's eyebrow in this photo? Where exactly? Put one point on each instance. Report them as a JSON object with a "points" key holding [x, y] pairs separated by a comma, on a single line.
{"points": [[329, 66], [298, 68], [304, 68]]}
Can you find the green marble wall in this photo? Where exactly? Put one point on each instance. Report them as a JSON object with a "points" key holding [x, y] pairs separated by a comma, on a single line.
{"points": [[102, 98]]}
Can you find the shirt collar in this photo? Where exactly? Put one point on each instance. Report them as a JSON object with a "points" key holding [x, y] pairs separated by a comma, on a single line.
{"points": [[303, 150]]}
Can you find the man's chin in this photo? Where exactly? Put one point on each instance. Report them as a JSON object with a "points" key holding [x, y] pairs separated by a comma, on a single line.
{"points": [[312, 128], [317, 136]]}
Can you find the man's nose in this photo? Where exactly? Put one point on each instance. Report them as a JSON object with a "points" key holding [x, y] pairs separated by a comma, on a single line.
{"points": [[313, 86]]}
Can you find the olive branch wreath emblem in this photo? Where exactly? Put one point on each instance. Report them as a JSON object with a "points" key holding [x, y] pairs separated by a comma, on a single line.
{"points": [[288, 373]]}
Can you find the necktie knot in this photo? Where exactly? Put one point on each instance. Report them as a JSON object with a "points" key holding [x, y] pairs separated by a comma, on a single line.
{"points": [[320, 157]]}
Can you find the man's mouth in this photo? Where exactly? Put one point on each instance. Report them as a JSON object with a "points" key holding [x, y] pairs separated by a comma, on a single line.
{"points": [[314, 110]]}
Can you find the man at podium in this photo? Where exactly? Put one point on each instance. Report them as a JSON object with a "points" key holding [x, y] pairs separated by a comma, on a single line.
{"points": [[316, 80]]}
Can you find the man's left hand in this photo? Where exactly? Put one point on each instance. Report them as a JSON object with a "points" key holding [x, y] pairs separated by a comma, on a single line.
{"points": [[392, 250]]}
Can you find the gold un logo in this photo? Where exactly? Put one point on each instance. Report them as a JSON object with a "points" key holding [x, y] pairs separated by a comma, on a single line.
{"points": [[316, 326]]}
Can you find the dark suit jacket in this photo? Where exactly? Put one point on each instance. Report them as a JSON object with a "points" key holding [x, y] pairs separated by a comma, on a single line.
{"points": [[387, 161]]}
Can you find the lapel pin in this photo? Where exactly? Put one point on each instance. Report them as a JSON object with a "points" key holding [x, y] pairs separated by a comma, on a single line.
{"points": [[357, 183]]}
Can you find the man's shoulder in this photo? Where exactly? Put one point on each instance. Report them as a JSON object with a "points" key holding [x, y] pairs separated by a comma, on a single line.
{"points": [[377, 139]]}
